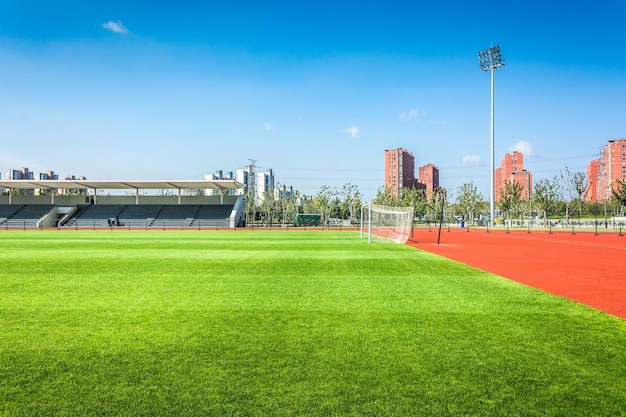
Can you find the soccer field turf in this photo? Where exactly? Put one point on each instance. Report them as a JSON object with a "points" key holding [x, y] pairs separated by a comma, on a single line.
{"points": [[283, 323]]}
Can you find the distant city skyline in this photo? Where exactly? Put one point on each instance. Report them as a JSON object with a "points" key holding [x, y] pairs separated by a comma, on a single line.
{"points": [[601, 174], [314, 91]]}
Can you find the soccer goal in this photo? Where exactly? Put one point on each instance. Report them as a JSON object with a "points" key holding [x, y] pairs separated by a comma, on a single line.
{"points": [[394, 223]]}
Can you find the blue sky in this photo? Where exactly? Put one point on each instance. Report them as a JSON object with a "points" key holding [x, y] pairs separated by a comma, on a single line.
{"points": [[314, 90]]}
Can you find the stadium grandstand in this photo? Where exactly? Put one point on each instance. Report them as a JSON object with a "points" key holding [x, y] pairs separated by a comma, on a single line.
{"points": [[181, 204]]}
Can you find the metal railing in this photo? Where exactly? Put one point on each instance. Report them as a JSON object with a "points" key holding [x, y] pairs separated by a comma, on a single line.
{"points": [[146, 224]]}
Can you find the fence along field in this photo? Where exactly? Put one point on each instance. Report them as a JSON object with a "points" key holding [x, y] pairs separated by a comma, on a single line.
{"points": [[287, 323]]}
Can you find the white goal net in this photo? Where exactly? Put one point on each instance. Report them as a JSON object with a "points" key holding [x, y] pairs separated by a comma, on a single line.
{"points": [[387, 222]]}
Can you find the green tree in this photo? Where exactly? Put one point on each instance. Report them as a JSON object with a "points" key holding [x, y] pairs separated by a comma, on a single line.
{"points": [[336, 208], [251, 206], [545, 196], [290, 206], [323, 202], [572, 188], [579, 182], [414, 198], [510, 197], [268, 206], [280, 195], [386, 197], [351, 200], [438, 203], [307, 205], [469, 201], [618, 193]]}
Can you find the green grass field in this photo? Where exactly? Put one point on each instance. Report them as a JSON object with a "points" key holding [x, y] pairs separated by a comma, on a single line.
{"points": [[258, 323]]}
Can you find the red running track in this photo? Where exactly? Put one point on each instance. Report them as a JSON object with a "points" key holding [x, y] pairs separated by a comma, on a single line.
{"points": [[584, 267]]}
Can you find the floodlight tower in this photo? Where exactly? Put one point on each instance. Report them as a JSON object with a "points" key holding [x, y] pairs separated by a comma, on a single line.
{"points": [[489, 60]]}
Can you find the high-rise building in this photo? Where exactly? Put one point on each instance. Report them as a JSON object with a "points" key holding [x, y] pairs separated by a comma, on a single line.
{"points": [[593, 171], [399, 170], [283, 192], [243, 176], [264, 183], [512, 170], [74, 191], [400, 173], [219, 175], [603, 173], [22, 174], [429, 176], [46, 176], [260, 181]]}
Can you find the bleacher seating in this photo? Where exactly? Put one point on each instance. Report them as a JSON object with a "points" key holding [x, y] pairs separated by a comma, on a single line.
{"points": [[7, 211], [22, 216], [175, 216], [96, 216], [139, 216], [210, 216], [151, 216]]}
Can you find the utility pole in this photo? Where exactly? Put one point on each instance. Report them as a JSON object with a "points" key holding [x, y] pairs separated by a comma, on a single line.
{"points": [[251, 190], [252, 178]]}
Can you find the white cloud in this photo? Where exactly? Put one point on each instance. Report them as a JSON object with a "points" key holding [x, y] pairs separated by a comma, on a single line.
{"points": [[523, 147], [268, 127], [352, 131], [115, 27], [471, 160], [409, 115]]}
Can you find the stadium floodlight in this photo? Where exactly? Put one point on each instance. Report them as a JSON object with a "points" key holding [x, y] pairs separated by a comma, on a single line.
{"points": [[394, 223], [489, 60]]}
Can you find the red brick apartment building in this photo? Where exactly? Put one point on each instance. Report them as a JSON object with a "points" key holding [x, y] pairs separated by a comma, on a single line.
{"points": [[593, 169], [400, 173], [512, 169], [603, 173], [399, 170], [429, 176]]}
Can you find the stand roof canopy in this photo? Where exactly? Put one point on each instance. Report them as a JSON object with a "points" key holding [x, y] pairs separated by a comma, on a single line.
{"points": [[122, 185]]}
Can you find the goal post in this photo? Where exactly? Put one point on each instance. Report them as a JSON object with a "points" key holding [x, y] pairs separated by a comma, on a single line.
{"points": [[393, 223]]}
